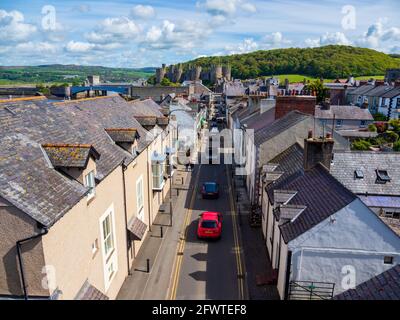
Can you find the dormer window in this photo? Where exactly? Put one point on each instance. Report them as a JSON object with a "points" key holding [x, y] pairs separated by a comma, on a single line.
{"points": [[126, 138], [76, 161], [90, 183], [382, 177], [359, 174]]}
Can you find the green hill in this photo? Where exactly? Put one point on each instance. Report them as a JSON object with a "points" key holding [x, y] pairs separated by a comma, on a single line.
{"points": [[329, 62], [69, 74]]}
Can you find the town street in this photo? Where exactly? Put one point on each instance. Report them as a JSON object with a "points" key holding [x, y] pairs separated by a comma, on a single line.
{"points": [[209, 269]]}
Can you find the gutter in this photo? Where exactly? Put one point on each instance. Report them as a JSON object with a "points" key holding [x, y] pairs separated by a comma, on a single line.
{"points": [[19, 244]]}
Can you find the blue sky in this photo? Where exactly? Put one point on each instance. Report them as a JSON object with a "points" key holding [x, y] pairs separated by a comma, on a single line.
{"points": [[134, 33]]}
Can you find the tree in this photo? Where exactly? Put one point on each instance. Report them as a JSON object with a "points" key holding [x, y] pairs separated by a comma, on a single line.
{"points": [[395, 124], [372, 128], [380, 117], [168, 83], [321, 91], [396, 146]]}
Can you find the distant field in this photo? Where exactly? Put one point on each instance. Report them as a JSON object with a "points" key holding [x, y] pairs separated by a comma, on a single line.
{"points": [[59, 74]]}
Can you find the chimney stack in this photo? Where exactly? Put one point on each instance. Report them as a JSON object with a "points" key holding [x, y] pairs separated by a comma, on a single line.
{"points": [[326, 104], [365, 104], [318, 151], [397, 84]]}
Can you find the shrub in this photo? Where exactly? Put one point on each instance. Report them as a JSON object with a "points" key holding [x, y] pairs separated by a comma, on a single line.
{"points": [[396, 146], [395, 124], [372, 128], [391, 136], [381, 127], [361, 145], [380, 117]]}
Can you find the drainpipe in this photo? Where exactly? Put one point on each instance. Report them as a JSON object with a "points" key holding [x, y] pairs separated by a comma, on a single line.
{"points": [[288, 267], [19, 244], [149, 185], [124, 168]]}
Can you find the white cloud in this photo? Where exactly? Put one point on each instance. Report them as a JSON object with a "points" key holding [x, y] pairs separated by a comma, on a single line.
{"points": [[329, 38], [143, 12], [79, 47], [13, 28], [226, 8], [184, 35], [114, 30], [33, 48], [248, 45], [380, 37], [275, 40]]}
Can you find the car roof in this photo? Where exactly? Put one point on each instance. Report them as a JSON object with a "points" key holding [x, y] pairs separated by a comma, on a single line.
{"points": [[210, 215]]}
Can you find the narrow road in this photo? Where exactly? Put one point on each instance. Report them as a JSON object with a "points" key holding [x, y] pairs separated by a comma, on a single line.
{"points": [[209, 269]]}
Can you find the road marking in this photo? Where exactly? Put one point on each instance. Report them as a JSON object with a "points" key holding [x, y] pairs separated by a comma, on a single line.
{"points": [[236, 249], [181, 247]]}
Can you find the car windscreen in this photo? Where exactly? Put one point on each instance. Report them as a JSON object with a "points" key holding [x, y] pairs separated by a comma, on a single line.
{"points": [[208, 224], [210, 187]]}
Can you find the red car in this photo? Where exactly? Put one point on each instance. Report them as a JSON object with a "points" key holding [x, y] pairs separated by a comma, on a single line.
{"points": [[210, 225]]}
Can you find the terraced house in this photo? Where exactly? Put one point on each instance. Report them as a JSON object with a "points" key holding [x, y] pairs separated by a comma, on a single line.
{"points": [[80, 185]]}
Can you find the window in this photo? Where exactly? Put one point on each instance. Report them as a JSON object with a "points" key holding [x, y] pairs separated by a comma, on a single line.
{"points": [[140, 198], [158, 175], [359, 174], [134, 151], [108, 238], [91, 184], [398, 103], [384, 102], [108, 248], [388, 260], [363, 123], [382, 177], [339, 123]]}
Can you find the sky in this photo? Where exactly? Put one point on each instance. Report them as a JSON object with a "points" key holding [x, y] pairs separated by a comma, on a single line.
{"points": [[139, 33]]}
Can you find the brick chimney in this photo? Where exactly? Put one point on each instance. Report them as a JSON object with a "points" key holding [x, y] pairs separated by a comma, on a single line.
{"points": [[397, 84], [379, 83], [318, 151]]}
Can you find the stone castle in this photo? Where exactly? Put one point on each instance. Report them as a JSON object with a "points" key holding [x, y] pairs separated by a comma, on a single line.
{"points": [[176, 73]]}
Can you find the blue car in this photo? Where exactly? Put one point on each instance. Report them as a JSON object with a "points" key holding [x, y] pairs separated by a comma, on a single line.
{"points": [[210, 190]]}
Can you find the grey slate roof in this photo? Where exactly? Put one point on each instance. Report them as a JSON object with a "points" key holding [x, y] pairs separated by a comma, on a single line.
{"points": [[123, 135], [343, 113], [278, 126], [317, 190], [362, 89], [346, 163], [392, 93], [321, 194], [69, 156], [385, 286], [26, 178], [89, 292], [379, 91], [290, 163]]}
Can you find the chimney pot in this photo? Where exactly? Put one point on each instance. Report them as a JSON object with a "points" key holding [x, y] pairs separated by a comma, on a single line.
{"points": [[310, 134]]}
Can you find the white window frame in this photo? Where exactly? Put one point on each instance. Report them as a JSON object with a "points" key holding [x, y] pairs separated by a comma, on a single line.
{"points": [[159, 178], [110, 259], [140, 198], [90, 183]]}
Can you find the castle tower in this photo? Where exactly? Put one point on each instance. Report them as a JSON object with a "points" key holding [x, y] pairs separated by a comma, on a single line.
{"points": [[227, 72]]}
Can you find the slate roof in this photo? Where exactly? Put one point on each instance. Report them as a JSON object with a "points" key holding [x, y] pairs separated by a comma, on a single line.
{"points": [[343, 113], [362, 89], [259, 120], [378, 91], [290, 163], [278, 126], [70, 155], [89, 292], [323, 196], [123, 135], [346, 163], [26, 178], [392, 93], [234, 89], [385, 286]]}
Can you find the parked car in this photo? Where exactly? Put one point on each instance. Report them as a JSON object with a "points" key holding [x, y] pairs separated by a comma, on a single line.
{"points": [[210, 225], [210, 190]]}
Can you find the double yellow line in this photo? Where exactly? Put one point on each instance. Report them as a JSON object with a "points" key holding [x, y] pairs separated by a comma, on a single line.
{"points": [[237, 247], [182, 242]]}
